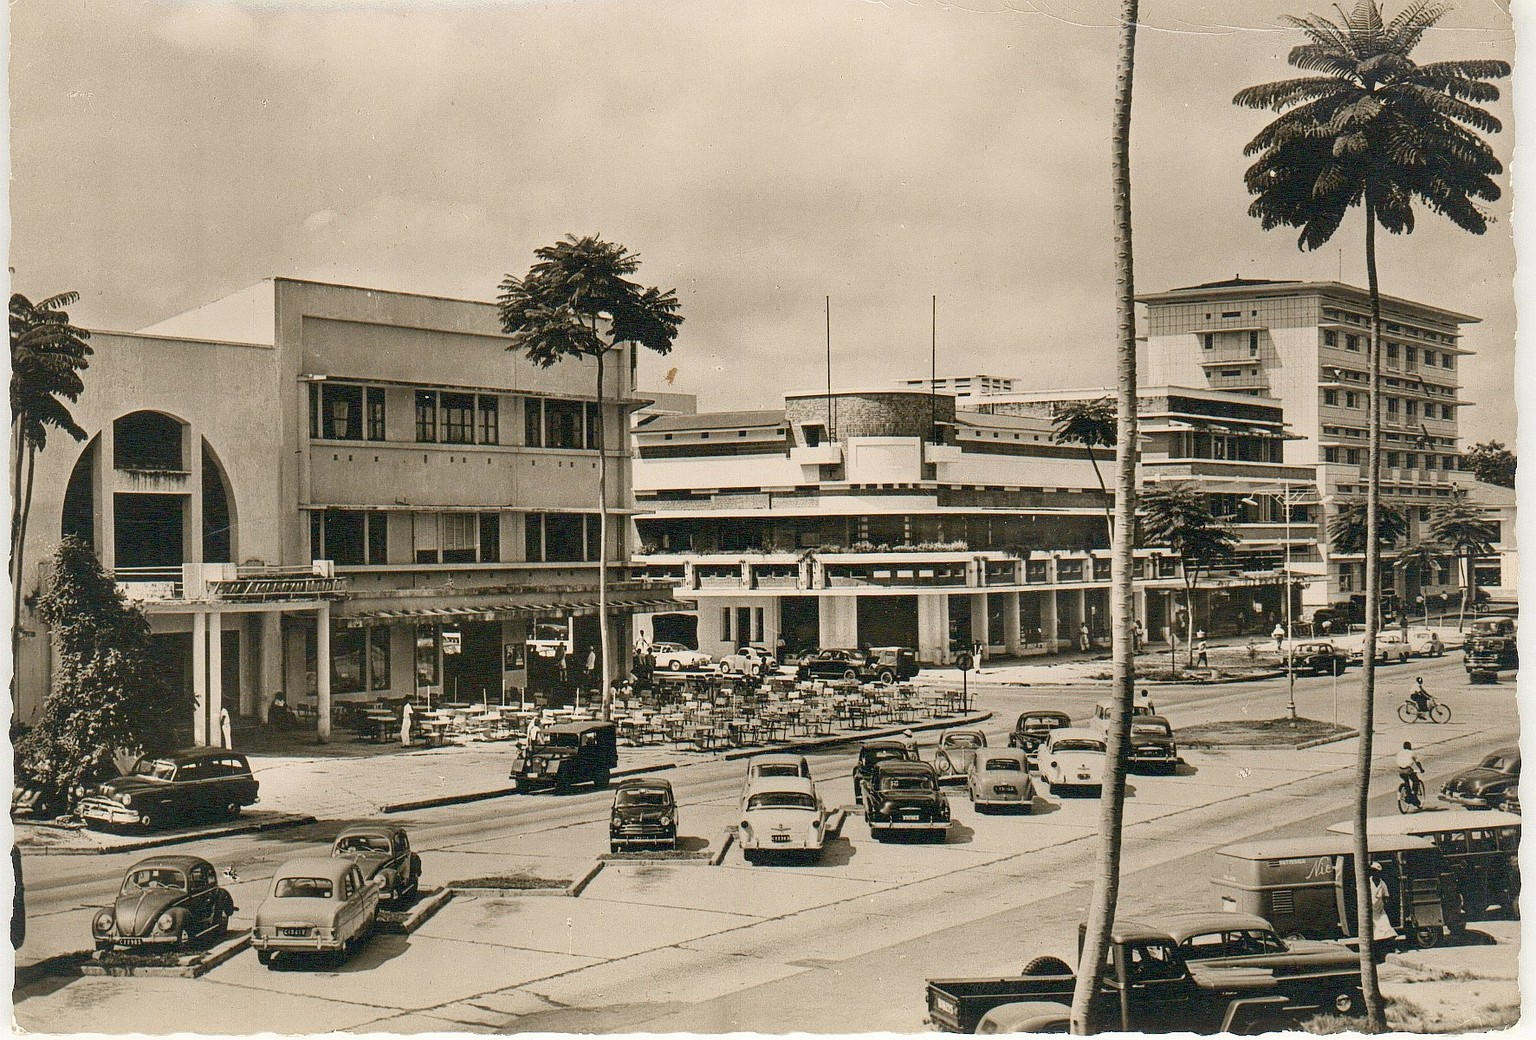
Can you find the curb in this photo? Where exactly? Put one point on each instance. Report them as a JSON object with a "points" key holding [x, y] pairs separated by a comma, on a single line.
{"points": [[199, 966], [253, 827], [725, 844], [507, 893], [58, 964], [501, 792], [417, 915], [575, 888], [1303, 746]]}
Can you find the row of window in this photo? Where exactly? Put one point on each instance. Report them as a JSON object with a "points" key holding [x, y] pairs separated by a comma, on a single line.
{"points": [[1408, 407], [1393, 327], [741, 624], [357, 412], [1395, 351], [1392, 459], [1208, 341], [356, 537]]}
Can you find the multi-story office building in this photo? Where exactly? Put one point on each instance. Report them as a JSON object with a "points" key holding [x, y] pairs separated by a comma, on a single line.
{"points": [[1304, 344], [323, 492], [879, 517]]}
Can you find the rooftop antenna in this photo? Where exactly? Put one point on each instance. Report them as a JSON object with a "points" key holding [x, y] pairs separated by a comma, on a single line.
{"points": [[933, 372]]}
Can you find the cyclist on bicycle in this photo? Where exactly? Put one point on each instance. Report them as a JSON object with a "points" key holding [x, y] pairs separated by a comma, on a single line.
{"points": [[1420, 697], [1410, 770]]}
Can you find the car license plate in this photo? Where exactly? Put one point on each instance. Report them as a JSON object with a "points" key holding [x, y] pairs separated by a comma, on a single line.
{"points": [[781, 837], [129, 940], [911, 816], [293, 933], [1005, 790]]}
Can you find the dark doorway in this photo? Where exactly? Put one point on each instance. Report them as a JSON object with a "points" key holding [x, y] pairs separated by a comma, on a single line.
{"points": [[960, 623], [474, 673], [888, 621], [676, 628], [171, 655], [79, 517], [148, 530], [217, 521], [800, 623]]}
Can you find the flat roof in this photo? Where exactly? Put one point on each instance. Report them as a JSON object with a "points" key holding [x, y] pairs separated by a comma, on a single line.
{"points": [[1264, 287], [756, 418]]}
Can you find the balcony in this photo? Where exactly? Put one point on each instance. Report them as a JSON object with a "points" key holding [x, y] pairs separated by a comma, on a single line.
{"points": [[228, 583]]}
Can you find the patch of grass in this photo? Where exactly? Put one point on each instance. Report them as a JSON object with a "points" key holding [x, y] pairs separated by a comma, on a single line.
{"points": [[1280, 733], [1407, 1017], [135, 959], [512, 881], [659, 855]]}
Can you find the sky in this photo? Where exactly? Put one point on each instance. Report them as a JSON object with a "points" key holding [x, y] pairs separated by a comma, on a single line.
{"points": [[759, 156]]}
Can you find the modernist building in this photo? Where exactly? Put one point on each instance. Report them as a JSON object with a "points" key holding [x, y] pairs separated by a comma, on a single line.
{"points": [[1304, 344], [878, 517], [324, 492]]}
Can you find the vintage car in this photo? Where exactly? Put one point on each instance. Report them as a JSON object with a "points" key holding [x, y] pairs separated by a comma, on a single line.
{"points": [[889, 664], [1426, 643], [1485, 785], [1311, 972], [383, 851], [566, 754], [317, 904], [1103, 709], [173, 789], [676, 657], [871, 754], [1030, 730], [1391, 647], [1492, 645], [846, 664], [748, 660], [164, 901], [781, 815], [1319, 657], [1072, 759], [957, 749], [1152, 744], [904, 796], [644, 813], [998, 778]]}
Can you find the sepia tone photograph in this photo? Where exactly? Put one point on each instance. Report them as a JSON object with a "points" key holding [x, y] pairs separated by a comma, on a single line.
{"points": [[728, 516]]}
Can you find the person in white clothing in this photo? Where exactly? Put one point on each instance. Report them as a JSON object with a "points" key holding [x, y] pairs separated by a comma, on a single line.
{"points": [[1410, 769], [406, 712], [1381, 923]]}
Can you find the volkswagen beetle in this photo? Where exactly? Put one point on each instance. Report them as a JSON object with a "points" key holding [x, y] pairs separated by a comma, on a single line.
{"points": [[382, 851], [957, 749], [164, 902]]}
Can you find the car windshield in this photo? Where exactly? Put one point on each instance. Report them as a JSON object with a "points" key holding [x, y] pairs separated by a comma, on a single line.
{"points": [[651, 797], [964, 741], [1502, 763], [561, 740], [666, 648], [158, 768], [1079, 745], [781, 800], [1152, 961], [1045, 721], [150, 878], [363, 843], [778, 769], [1150, 729], [1004, 765], [883, 754], [908, 783], [303, 888]]}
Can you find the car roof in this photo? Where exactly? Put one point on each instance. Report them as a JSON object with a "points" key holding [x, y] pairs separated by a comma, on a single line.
{"points": [[577, 727], [1504, 752], [1136, 931], [368, 830], [190, 754], [1197, 922], [778, 757], [904, 766], [965, 732], [637, 782], [885, 742], [1428, 823], [314, 866], [1075, 732], [182, 863], [983, 754], [797, 784], [1319, 845], [1048, 712], [1153, 718]]}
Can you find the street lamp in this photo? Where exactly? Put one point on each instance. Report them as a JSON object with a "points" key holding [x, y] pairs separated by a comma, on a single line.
{"points": [[1287, 503]]}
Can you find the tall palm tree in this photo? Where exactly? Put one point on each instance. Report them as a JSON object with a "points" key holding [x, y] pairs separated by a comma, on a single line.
{"points": [[1093, 424], [47, 356], [1178, 515], [1122, 609], [577, 302], [1372, 126], [1464, 529], [1419, 560]]}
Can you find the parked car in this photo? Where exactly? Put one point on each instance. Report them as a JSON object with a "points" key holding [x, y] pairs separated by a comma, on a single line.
{"points": [[781, 815], [676, 657], [382, 851], [644, 813], [851, 665], [173, 789], [1310, 972], [1152, 743], [1390, 647], [1486, 784], [957, 750], [1031, 728], [164, 902], [1072, 759], [998, 778], [890, 664], [1319, 657], [1103, 709], [317, 904], [904, 796], [748, 660], [871, 754], [1426, 643], [567, 754], [1492, 645]]}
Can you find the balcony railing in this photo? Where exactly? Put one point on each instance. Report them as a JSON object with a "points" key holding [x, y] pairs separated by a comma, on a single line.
{"points": [[195, 582]]}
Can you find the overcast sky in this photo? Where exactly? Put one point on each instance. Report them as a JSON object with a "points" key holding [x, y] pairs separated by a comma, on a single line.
{"points": [[758, 155]]}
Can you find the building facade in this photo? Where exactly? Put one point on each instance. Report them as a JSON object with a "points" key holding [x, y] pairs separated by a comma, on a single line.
{"points": [[320, 493]]}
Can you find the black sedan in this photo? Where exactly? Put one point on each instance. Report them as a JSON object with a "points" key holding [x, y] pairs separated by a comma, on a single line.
{"points": [[1319, 658], [173, 789], [847, 664], [1486, 784], [1032, 727], [164, 902]]}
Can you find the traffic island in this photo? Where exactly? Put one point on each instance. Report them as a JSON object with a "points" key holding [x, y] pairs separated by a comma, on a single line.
{"points": [[406, 919], [1263, 734], [519, 884], [168, 964], [73, 839]]}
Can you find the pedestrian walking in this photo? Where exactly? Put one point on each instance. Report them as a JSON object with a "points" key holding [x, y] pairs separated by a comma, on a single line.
{"points": [[1327, 626], [591, 668], [1201, 658], [406, 714], [1138, 636], [563, 665], [534, 732], [780, 649], [1279, 634], [226, 736], [1144, 698], [1381, 923], [1084, 642]]}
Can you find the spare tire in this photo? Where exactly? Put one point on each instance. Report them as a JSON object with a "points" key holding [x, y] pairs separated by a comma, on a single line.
{"points": [[1047, 966]]}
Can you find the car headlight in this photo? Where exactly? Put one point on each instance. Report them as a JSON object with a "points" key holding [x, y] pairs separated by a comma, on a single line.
{"points": [[166, 923], [125, 798], [616, 821], [103, 922], [746, 827], [666, 820]]}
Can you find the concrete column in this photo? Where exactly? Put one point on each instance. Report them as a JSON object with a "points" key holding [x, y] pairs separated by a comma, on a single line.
{"points": [[192, 513], [215, 674], [933, 628], [979, 620], [1048, 628], [270, 680], [199, 678], [323, 672], [839, 621], [1079, 615], [1011, 641]]}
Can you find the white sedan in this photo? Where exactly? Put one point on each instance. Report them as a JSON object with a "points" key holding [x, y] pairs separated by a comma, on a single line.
{"points": [[676, 657], [1390, 646], [781, 816], [1072, 759], [749, 660]]}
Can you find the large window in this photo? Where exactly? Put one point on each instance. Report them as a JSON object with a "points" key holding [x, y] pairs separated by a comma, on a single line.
{"points": [[490, 419], [594, 420], [341, 412], [563, 426], [450, 417], [456, 537], [376, 413], [490, 537], [458, 415], [459, 535], [348, 673], [560, 537], [426, 416], [350, 537]]}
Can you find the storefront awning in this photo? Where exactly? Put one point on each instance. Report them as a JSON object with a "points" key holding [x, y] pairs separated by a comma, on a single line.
{"points": [[501, 611]]}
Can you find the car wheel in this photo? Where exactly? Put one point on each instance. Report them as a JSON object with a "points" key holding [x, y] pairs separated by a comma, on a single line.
{"points": [[888, 677], [675, 665], [1046, 966], [1425, 938], [850, 675], [264, 958], [1346, 1002], [725, 668], [220, 924]]}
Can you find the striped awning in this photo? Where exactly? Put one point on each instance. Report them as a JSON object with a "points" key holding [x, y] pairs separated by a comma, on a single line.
{"points": [[501, 611]]}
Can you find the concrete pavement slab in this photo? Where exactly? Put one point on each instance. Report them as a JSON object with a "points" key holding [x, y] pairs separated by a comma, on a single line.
{"points": [[663, 976], [594, 929], [746, 891], [414, 1022]]}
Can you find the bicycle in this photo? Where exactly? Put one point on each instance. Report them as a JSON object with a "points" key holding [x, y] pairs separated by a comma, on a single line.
{"points": [[1410, 793], [1408, 711]]}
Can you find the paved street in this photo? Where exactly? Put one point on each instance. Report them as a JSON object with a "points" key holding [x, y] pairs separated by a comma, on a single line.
{"points": [[664, 947]]}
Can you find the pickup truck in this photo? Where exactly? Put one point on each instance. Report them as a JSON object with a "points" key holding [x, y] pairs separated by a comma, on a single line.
{"points": [[1148, 986]]}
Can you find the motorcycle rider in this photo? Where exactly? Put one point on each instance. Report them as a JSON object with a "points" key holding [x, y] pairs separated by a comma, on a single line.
{"points": [[1410, 770]]}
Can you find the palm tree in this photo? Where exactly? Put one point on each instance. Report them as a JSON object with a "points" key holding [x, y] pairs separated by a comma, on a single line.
{"points": [[1372, 126], [1093, 424], [1106, 884], [1349, 528], [1177, 515], [1418, 559], [576, 302], [1466, 532], [47, 356]]}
